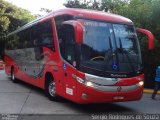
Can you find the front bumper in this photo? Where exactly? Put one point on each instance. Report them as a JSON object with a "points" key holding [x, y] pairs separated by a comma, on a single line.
{"points": [[89, 95]]}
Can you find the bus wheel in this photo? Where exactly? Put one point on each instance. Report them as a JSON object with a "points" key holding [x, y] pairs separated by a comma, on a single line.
{"points": [[50, 88], [13, 75]]}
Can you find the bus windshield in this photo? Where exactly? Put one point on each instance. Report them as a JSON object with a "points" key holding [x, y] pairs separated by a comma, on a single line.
{"points": [[110, 48]]}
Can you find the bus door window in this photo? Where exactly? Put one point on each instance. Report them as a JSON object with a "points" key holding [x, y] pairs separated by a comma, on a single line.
{"points": [[68, 44], [68, 53], [59, 27]]}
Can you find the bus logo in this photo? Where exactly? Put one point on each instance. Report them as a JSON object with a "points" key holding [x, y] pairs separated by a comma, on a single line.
{"points": [[119, 88]]}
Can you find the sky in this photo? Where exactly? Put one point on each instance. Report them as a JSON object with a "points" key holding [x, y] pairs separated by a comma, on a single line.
{"points": [[34, 6]]}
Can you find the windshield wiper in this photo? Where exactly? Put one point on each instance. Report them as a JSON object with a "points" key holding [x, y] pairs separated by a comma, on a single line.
{"points": [[122, 50], [113, 56], [109, 53], [111, 48], [110, 44]]}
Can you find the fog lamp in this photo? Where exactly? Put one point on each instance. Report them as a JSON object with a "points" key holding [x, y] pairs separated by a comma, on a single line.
{"points": [[84, 96]]}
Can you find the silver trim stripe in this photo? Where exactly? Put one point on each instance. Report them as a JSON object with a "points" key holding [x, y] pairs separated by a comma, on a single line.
{"points": [[101, 80], [116, 88]]}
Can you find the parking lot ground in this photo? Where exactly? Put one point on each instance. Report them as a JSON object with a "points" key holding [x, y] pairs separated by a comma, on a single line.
{"points": [[22, 98]]}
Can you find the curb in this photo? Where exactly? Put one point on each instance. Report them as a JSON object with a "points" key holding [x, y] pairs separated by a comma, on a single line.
{"points": [[150, 91]]}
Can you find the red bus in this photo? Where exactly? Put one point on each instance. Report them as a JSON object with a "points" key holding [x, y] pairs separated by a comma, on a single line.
{"points": [[85, 56]]}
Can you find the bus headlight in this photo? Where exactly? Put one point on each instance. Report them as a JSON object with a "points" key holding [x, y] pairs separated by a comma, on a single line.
{"points": [[86, 82], [141, 83], [89, 84]]}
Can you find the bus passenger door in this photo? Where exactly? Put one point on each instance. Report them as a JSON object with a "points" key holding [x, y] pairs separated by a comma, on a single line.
{"points": [[67, 48]]}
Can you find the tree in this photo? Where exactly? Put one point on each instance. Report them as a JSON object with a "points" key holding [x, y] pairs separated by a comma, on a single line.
{"points": [[85, 4], [44, 11], [11, 17]]}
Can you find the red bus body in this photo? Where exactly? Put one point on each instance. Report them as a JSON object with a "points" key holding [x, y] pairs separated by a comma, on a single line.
{"points": [[66, 75]]}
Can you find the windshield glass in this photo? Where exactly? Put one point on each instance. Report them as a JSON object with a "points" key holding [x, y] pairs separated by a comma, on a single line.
{"points": [[110, 47]]}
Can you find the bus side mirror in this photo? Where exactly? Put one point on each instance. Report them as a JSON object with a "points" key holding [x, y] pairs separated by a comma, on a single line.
{"points": [[149, 35], [78, 29]]}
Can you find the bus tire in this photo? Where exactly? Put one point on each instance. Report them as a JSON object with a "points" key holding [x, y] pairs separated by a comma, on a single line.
{"points": [[13, 75], [50, 88]]}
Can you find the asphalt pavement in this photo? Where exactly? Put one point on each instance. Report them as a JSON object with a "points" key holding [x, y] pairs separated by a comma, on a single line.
{"points": [[22, 98]]}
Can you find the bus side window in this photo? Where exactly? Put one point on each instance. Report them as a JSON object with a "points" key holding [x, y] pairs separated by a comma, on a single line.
{"points": [[35, 41], [24, 39], [13, 42], [42, 35]]}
